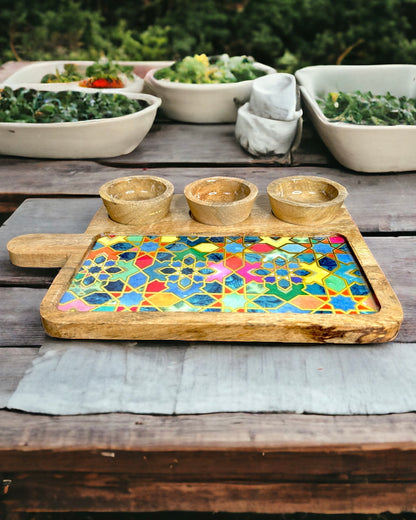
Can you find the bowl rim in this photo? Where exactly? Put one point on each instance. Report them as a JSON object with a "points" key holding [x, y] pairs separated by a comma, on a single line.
{"points": [[339, 199], [103, 190], [247, 199], [40, 64], [154, 104], [174, 85]]}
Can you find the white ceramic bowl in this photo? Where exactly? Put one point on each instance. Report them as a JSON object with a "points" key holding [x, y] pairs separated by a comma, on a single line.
{"points": [[31, 75], [358, 147], [202, 103], [97, 138]]}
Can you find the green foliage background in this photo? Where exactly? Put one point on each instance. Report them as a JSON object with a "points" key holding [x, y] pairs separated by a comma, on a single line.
{"points": [[287, 34]]}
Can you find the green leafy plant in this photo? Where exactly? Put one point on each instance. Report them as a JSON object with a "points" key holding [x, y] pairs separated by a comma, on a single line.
{"points": [[32, 106], [217, 69], [108, 69], [70, 73], [101, 74], [368, 109]]}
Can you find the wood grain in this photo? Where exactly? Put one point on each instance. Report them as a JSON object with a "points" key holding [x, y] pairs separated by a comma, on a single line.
{"points": [[92, 434], [32, 250], [271, 465], [13, 364], [252, 462], [61, 216], [216, 144], [21, 323], [110, 492], [367, 202], [75, 217], [193, 145]]}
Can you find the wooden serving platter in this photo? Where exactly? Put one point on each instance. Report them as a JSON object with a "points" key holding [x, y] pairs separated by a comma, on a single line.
{"points": [[259, 280]]}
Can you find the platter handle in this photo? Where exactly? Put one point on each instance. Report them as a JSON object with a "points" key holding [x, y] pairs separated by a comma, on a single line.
{"points": [[45, 250]]}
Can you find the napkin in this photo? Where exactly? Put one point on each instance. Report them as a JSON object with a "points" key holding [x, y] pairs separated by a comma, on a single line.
{"points": [[271, 122], [83, 377]]}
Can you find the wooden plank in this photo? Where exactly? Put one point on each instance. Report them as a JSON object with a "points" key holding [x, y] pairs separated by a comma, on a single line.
{"points": [[13, 364], [286, 458], [109, 492], [25, 178], [20, 313], [37, 217], [38, 250], [21, 323], [171, 142], [29, 433], [395, 257], [311, 149], [176, 143], [301, 465], [180, 143]]}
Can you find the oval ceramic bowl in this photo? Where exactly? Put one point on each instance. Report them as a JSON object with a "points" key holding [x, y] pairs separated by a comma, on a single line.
{"points": [[31, 75], [305, 199], [202, 103], [220, 201], [360, 147], [137, 199], [97, 138]]}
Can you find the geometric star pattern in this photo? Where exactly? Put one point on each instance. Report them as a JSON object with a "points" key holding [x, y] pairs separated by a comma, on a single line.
{"points": [[263, 274]]}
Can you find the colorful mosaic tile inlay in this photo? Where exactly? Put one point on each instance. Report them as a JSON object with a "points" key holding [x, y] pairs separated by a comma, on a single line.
{"points": [[220, 274]]}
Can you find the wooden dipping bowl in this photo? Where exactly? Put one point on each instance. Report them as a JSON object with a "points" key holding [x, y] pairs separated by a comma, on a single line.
{"points": [[305, 199], [138, 199], [220, 201]]}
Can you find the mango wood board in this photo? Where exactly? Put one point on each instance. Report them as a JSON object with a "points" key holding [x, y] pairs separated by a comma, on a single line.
{"points": [[259, 280]]}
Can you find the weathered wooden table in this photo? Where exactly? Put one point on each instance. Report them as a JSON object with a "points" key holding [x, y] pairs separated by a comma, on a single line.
{"points": [[236, 462]]}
